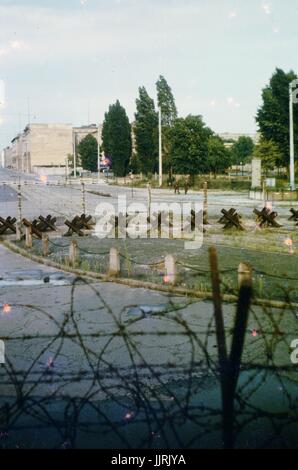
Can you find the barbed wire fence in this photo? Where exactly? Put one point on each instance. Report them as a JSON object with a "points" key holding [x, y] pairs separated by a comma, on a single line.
{"points": [[151, 377], [154, 377]]}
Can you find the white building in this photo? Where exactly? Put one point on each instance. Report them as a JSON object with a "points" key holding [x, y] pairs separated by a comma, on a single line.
{"points": [[44, 148]]}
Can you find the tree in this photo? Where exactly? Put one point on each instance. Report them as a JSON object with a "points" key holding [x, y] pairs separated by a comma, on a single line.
{"points": [[269, 152], [242, 150], [219, 157], [166, 102], [116, 138], [273, 115], [88, 152], [146, 132], [189, 145]]}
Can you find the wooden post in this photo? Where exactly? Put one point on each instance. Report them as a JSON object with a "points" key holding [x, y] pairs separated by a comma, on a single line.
{"points": [[227, 400], [28, 237], [73, 253], [220, 330], [114, 264], [18, 231], [241, 321], [45, 244], [230, 365], [205, 204], [170, 270], [244, 275]]}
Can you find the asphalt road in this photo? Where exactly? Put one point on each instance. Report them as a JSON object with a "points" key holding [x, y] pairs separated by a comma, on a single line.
{"points": [[41, 199], [41, 298], [60, 332]]}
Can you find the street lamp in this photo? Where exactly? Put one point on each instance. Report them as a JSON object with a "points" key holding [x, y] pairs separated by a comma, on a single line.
{"points": [[293, 99], [160, 147], [74, 154], [98, 151]]}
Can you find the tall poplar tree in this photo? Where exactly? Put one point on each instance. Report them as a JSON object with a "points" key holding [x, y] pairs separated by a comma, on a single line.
{"points": [[116, 138], [146, 132], [166, 102]]}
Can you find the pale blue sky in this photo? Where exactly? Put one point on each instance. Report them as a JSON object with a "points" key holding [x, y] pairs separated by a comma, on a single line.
{"points": [[216, 55]]}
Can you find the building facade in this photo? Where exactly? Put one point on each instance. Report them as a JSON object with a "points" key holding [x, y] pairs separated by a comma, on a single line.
{"points": [[230, 138], [45, 148]]}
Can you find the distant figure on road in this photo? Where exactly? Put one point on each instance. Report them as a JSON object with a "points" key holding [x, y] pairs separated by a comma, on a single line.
{"points": [[177, 187], [186, 186]]}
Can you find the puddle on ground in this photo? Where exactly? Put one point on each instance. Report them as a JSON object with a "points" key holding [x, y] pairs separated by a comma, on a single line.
{"points": [[34, 277]]}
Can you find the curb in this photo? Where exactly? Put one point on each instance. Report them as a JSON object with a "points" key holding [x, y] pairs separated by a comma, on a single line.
{"points": [[179, 291]]}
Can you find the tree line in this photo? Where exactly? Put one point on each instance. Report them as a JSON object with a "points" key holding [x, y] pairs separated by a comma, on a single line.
{"points": [[190, 147]]}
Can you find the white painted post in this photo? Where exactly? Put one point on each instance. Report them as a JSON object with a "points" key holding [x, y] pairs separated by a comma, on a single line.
{"points": [[149, 199], [18, 231], [74, 154], [45, 244], [28, 237], [205, 206], [83, 197], [292, 146], [244, 275], [160, 147], [114, 264], [170, 270], [73, 253]]}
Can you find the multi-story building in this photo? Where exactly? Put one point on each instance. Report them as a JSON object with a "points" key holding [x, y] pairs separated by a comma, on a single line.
{"points": [[230, 138], [44, 148]]}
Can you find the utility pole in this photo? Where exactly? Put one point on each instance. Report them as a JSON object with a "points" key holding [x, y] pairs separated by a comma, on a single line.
{"points": [[292, 147], [74, 154], [160, 147], [98, 151]]}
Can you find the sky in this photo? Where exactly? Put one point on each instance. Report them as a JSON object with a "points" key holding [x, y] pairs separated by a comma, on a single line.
{"points": [[67, 60]]}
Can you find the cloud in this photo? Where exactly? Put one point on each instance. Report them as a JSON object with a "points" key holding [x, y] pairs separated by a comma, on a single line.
{"points": [[232, 15], [266, 7], [104, 30], [11, 47], [233, 103]]}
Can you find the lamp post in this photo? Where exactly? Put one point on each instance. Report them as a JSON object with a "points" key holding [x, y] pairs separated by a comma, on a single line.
{"points": [[160, 147], [293, 99], [74, 155], [98, 152]]}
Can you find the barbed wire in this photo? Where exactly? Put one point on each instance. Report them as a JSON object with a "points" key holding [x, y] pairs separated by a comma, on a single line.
{"points": [[142, 378]]}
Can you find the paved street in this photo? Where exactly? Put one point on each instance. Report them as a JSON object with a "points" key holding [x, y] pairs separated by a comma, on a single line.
{"points": [[41, 300], [67, 201], [70, 342]]}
